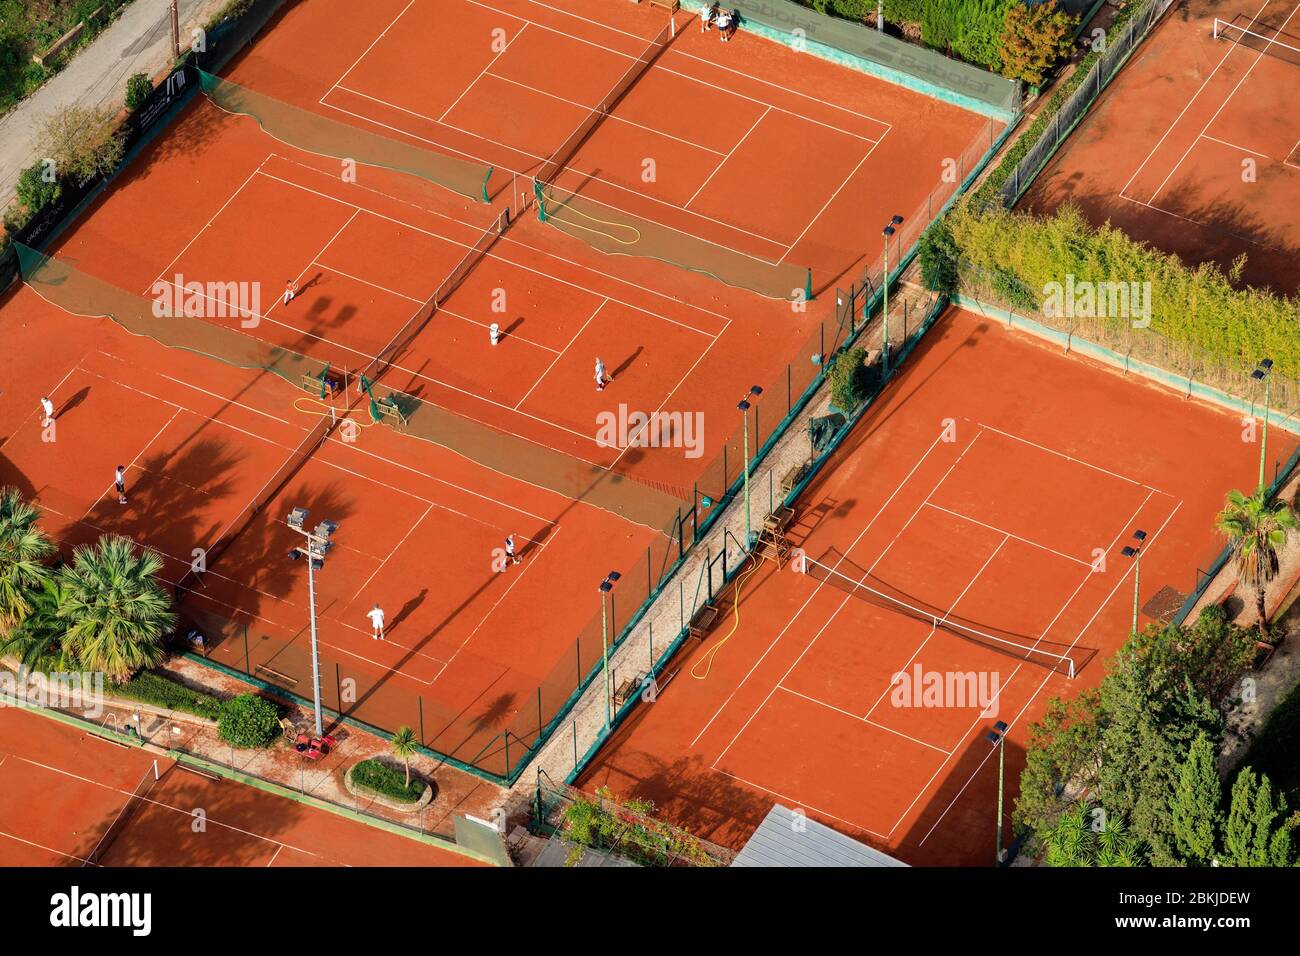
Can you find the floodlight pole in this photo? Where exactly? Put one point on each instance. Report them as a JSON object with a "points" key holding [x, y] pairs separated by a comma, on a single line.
{"points": [[318, 544], [1134, 551], [998, 738], [1262, 371], [887, 232], [315, 647], [754, 392], [606, 586]]}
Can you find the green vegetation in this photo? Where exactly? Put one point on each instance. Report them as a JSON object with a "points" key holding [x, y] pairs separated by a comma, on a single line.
{"points": [[1035, 39], [1274, 750], [24, 549], [387, 781], [1015, 257], [1256, 528], [937, 252], [248, 721], [405, 745], [233, 9], [848, 375], [150, 687], [30, 27], [138, 88], [627, 829]]}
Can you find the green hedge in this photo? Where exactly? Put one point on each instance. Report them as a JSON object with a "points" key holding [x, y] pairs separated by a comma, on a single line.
{"points": [[1202, 309], [249, 721], [387, 781], [149, 687]]}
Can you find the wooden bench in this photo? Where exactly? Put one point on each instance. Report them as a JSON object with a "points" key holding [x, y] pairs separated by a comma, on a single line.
{"points": [[793, 476], [779, 519], [702, 621], [629, 688], [672, 6]]}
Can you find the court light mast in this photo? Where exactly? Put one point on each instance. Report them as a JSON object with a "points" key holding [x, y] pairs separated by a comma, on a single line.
{"points": [[606, 586], [887, 232], [998, 738], [754, 392], [1134, 551], [318, 543], [1263, 374]]}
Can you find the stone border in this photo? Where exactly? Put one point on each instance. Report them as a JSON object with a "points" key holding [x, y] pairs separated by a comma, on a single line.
{"points": [[359, 790]]}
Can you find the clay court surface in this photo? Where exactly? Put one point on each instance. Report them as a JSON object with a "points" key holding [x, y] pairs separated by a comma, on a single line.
{"points": [[1163, 152], [1051, 461], [214, 199], [61, 789]]}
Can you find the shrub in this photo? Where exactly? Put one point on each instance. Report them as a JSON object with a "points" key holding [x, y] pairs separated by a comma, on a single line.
{"points": [[35, 188], [1035, 38], [386, 780], [248, 721], [149, 687], [938, 253], [848, 377], [138, 88], [83, 142]]}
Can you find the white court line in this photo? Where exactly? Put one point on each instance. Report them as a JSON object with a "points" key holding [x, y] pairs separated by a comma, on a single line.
{"points": [[826, 205], [1197, 222], [497, 603], [380, 566], [800, 803], [176, 410], [560, 354], [1244, 149], [279, 299], [822, 630], [1015, 720], [1071, 458], [1178, 119], [866, 720], [901, 485], [1227, 99], [482, 73], [726, 157], [317, 263], [366, 51], [194, 238], [1032, 544]]}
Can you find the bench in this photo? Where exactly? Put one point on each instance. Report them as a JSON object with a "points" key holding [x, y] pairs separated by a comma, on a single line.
{"points": [[779, 519], [702, 621], [672, 6], [629, 688], [793, 476]]}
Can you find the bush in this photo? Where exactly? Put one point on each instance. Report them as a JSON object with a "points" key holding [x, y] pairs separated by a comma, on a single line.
{"points": [[938, 254], [138, 88], [848, 377], [35, 189], [387, 781], [248, 721], [1034, 39], [83, 142], [149, 687]]}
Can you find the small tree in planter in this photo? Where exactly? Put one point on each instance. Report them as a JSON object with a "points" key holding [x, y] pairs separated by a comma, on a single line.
{"points": [[248, 721], [138, 88], [404, 746], [848, 376]]}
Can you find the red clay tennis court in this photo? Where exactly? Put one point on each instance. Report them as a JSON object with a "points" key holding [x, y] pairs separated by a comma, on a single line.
{"points": [[1195, 147], [993, 484], [477, 661], [71, 798]]}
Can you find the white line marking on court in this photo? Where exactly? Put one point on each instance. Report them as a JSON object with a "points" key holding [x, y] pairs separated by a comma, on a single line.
{"points": [[380, 566], [727, 156], [1014, 721], [317, 263], [799, 803], [366, 51], [1178, 119], [560, 354], [1032, 544], [176, 410], [1078, 461], [1244, 149], [482, 73], [826, 205], [866, 720]]}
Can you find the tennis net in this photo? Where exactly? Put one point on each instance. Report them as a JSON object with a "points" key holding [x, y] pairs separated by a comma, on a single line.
{"points": [[398, 343], [1004, 643], [569, 148], [124, 815], [1241, 36]]}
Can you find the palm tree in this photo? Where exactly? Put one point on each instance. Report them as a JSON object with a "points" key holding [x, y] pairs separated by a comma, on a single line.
{"points": [[1256, 528], [38, 640], [405, 745], [117, 617], [23, 549]]}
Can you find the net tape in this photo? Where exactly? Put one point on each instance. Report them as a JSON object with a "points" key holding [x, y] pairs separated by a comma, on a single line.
{"points": [[133, 804], [1242, 36], [1005, 644]]}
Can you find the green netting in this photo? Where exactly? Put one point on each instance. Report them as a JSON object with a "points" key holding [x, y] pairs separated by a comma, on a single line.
{"points": [[617, 232], [79, 293], [319, 134]]}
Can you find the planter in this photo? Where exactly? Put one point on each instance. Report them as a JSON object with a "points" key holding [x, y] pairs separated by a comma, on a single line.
{"points": [[357, 790]]}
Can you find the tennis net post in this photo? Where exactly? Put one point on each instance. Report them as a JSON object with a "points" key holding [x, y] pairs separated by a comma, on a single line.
{"points": [[124, 815]]}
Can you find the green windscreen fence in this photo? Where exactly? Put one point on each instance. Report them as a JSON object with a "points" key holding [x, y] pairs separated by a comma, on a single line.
{"points": [[319, 134], [617, 232], [79, 293], [872, 51]]}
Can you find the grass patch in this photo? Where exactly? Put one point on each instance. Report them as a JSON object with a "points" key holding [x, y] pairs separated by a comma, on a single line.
{"points": [[149, 687], [387, 781]]}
